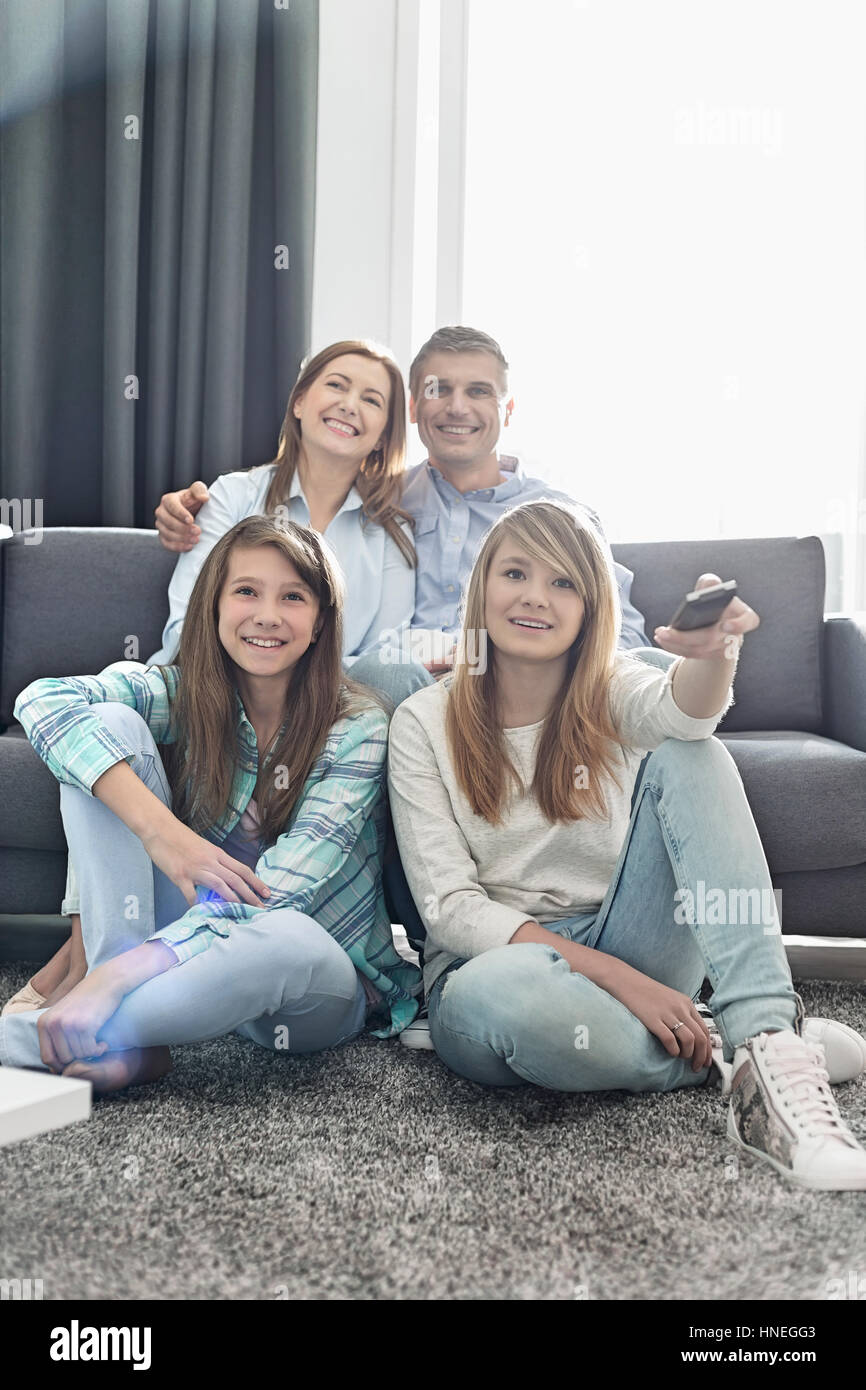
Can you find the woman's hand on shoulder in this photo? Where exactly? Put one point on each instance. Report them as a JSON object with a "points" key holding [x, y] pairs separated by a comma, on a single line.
{"points": [[174, 517], [189, 860], [722, 639]]}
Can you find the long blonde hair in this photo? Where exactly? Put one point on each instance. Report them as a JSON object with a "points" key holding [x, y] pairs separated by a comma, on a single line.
{"points": [[575, 747], [201, 754], [380, 480]]}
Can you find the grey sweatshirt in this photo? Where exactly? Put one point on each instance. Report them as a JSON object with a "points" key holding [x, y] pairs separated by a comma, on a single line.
{"points": [[474, 883]]}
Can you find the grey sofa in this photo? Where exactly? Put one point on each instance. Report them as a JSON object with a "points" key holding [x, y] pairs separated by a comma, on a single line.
{"points": [[84, 597]]}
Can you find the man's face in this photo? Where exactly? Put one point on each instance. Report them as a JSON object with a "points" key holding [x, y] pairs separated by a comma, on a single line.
{"points": [[461, 407]]}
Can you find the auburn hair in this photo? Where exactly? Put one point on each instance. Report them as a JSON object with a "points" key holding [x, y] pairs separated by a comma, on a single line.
{"points": [[575, 749], [382, 474], [201, 751]]}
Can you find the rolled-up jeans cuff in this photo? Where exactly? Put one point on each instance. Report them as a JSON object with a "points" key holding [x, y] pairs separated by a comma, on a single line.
{"points": [[749, 1017], [71, 894]]}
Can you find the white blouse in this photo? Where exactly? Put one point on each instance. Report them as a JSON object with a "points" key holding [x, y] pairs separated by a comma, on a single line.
{"points": [[380, 585]]}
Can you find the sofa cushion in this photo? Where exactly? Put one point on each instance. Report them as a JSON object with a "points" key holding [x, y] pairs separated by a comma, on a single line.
{"points": [[30, 809], [778, 683], [72, 602], [808, 797]]}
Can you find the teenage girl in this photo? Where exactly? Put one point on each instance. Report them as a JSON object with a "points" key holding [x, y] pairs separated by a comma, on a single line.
{"points": [[567, 936], [231, 878]]}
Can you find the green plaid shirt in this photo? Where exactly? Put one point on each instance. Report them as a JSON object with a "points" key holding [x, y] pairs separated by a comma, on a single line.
{"points": [[328, 861]]}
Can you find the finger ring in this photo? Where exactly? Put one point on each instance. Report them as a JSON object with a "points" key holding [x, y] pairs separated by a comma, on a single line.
{"points": [[677, 1025]]}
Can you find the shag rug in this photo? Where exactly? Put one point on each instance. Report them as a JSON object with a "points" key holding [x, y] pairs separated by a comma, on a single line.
{"points": [[372, 1172]]}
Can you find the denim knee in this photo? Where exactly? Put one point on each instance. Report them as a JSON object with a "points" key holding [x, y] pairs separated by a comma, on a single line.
{"points": [[295, 956], [122, 719], [395, 679], [707, 756], [508, 984], [654, 656]]}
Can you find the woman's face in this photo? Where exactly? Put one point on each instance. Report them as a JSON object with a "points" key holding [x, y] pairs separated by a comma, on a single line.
{"points": [[344, 410], [531, 610], [267, 614]]}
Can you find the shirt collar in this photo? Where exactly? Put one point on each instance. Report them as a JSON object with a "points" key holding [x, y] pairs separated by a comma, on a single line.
{"points": [[352, 503], [513, 484]]}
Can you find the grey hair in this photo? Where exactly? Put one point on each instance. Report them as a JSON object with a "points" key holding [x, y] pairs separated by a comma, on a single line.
{"points": [[455, 339]]}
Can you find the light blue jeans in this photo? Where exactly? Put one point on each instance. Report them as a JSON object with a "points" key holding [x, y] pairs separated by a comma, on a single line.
{"points": [[280, 980], [518, 1013]]}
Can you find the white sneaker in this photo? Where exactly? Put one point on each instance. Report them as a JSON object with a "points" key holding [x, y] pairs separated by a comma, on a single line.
{"points": [[782, 1110], [844, 1050], [418, 1034]]}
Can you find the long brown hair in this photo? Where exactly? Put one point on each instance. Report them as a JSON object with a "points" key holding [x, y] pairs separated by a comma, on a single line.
{"points": [[575, 747], [380, 480], [201, 755]]}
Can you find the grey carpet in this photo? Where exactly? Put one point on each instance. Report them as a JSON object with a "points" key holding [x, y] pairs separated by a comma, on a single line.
{"points": [[371, 1172]]}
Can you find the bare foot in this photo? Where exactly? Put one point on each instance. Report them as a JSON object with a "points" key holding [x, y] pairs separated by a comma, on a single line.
{"points": [[114, 1070], [75, 966], [77, 972]]}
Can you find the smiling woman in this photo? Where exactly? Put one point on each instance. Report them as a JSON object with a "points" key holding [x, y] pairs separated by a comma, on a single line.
{"points": [[339, 468]]}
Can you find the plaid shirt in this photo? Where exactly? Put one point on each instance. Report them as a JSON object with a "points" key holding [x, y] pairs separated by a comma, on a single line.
{"points": [[328, 861]]}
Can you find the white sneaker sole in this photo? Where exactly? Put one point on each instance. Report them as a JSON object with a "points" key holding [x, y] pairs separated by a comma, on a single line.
{"points": [[815, 1182], [417, 1036]]}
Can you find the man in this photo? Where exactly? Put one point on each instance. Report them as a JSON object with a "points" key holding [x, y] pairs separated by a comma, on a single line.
{"points": [[460, 402]]}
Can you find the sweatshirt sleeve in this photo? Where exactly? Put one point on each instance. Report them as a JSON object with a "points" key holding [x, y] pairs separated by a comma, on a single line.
{"points": [[644, 710], [439, 867]]}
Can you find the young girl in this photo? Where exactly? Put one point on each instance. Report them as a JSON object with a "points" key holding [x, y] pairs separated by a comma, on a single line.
{"points": [[242, 891], [339, 467], [568, 934]]}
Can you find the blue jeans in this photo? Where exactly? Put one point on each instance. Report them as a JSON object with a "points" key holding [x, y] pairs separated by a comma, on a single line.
{"points": [[518, 1013], [280, 980]]}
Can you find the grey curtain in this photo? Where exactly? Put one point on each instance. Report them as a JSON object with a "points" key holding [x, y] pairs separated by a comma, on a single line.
{"points": [[153, 154]]}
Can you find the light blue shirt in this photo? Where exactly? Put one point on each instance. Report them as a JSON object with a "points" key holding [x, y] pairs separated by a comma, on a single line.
{"points": [[449, 527], [380, 585]]}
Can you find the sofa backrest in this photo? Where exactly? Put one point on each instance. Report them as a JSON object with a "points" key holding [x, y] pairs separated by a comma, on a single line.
{"points": [[70, 604], [778, 684]]}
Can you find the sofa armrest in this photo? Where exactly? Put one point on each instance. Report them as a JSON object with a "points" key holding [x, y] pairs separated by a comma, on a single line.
{"points": [[845, 678]]}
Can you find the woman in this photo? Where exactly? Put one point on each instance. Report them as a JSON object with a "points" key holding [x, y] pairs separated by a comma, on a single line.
{"points": [[339, 468], [272, 809], [564, 947]]}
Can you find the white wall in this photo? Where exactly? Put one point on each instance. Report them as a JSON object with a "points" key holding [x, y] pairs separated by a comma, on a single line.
{"points": [[386, 244]]}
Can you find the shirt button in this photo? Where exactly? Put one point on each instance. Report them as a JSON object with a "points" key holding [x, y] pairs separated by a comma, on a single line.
{"points": [[456, 540], [451, 588]]}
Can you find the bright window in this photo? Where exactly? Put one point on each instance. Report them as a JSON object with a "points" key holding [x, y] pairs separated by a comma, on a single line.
{"points": [[665, 229]]}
